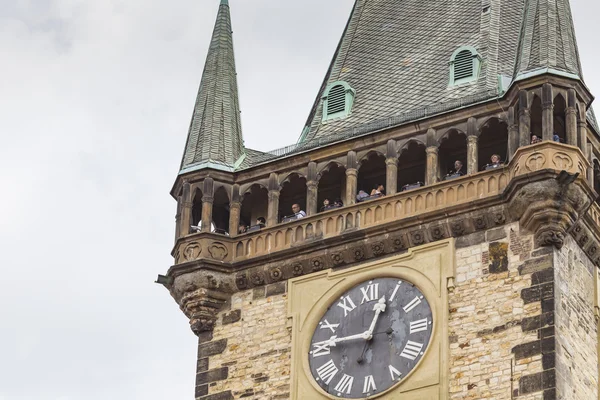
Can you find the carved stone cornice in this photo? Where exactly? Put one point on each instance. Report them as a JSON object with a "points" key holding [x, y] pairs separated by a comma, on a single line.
{"points": [[202, 306]]}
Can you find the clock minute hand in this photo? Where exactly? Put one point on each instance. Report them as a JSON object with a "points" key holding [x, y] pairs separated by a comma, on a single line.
{"points": [[363, 336], [378, 308]]}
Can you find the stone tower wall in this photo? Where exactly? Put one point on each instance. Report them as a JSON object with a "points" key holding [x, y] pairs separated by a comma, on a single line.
{"points": [[502, 327], [576, 327]]}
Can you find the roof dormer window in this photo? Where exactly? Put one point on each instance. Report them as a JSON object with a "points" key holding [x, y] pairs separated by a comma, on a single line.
{"points": [[337, 101], [465, 64]]}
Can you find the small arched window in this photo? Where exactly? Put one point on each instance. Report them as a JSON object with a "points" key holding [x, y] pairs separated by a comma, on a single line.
{"points": [[465, 64], [337, 101]]}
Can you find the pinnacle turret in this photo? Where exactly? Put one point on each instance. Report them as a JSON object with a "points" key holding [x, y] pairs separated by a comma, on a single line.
{"points": [[547, 41], [215, 133]]}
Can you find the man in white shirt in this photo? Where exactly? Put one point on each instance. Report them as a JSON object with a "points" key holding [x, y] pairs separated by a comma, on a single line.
{"points": [[297, 211]]}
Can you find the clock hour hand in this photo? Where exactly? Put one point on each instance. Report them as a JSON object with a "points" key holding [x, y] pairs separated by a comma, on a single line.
{"points": [[378, 308]]}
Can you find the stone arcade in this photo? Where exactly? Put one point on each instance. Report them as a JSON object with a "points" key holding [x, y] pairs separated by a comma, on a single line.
{"points": [[482, 285]]}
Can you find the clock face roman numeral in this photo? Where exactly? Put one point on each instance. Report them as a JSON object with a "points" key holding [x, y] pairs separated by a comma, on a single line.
{"points": [[327, 371], [394, 371], [414, 302], [321, 349], [411, 350], [345, 384], [326, 325], [370, 293], [369, 385], [395, 291], [418, 326], [347, 304]]}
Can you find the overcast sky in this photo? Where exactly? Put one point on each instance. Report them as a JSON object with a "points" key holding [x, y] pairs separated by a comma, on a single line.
{"points": [[95, 102]]}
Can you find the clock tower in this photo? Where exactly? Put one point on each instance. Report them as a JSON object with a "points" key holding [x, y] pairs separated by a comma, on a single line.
{"points": [[434, 233]]}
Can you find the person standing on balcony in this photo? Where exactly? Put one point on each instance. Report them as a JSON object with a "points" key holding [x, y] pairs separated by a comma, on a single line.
{"points": [[378, 190], [297, 211], [458, 168]]}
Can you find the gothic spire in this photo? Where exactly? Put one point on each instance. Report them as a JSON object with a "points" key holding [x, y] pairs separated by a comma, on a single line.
{"points": [[547, 41], [215, 133]]}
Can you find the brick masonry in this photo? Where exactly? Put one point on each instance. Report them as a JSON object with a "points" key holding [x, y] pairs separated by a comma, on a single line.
{"points": [[255, 348], [576, 328], [510, 337]]}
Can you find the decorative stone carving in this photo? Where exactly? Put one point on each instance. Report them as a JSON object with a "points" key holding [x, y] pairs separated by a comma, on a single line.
{"points": [[437, 233], [337, 259], [398, 243], [317, 264], [548, 208], [535, 162], [550, 238], [192, 251], [297, 269], [562, 161], [480, 223], [256, 278], [458, 228], [241, 281], [358, 253], [276, 274], [583, 240], [417, 237], [499, 219], [201, 307], [212, 282], [378, 249], [218, 251]]}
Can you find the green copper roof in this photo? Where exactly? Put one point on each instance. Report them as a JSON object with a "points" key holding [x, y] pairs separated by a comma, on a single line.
{"points": [[215, 133], [395, 53], [547, 40]]}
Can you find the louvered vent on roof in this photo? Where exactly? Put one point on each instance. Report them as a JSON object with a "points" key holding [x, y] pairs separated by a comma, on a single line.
{"points": [[336, 100], [463, 65]]}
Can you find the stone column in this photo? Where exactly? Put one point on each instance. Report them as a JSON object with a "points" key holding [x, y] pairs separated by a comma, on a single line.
{"points": [[207, 204], [582, 130], [472, 147], [351, 178], [235, 209], [571, 118], [273, 206], [432, 174], [184, 210], [513, 134], [391, 168], [524, 120], [547, 112], [312, 187]]}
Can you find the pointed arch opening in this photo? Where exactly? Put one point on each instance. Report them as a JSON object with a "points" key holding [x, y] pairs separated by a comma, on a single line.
{"points": [[332, 187], [254, 206], [196, 209], [221, 211], [453, 148], [493, 141], [536, 120], [559, 117], [412, 165], [371, 175], [293, 191]]}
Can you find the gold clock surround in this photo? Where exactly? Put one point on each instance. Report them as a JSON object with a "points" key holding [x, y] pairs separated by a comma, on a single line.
{"points": [[430, 268]]}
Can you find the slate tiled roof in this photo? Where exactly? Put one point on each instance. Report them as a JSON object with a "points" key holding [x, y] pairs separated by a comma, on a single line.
{"points": [[215, 133], [396, 54]]}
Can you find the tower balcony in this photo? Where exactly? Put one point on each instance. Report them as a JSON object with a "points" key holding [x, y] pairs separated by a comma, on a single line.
{"points": [[391, 223]]}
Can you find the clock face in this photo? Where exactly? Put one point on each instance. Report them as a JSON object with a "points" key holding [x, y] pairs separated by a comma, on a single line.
{"points": [[370, 338]]}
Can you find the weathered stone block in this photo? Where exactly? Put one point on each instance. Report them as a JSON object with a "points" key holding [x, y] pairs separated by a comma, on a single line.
{"points": [[498, 255], [218, 396], [232, 317], [212, 348], [536, 264], [276, 288], [212, 375]]}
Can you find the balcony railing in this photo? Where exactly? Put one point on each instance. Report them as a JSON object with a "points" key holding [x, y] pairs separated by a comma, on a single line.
{"points": [[415, 203]]}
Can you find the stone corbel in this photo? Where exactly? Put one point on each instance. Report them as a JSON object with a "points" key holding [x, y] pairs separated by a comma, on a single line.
{"points": [[201, 295], [202, 307], [549, 208]]}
